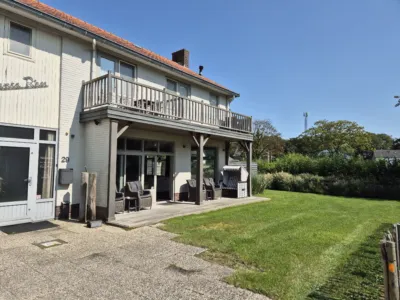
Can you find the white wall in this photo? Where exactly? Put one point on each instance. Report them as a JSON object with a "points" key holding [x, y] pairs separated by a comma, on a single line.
{"points": [[34, 107], [96, 156], [76, 66]]}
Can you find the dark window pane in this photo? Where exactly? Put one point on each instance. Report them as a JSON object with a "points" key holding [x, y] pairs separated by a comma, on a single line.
{"points": [[47, 135], [20, 39], [45, 184], [126, 71], [17, 132], [121, 144], [150, 145], [14, 172], [133, 144], [166, 147], [209, 163]]}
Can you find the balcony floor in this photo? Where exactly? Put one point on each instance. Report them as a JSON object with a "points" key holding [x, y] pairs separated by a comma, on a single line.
{"points": [[169, 209]]}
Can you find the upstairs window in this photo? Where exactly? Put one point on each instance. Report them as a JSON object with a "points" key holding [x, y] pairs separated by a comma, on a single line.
{"points": [[106, 65], [213, 99], [178, 87], [127, 71], [20, 39]]}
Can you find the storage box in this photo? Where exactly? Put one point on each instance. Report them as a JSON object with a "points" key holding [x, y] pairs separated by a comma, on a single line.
{"points": [[65, 176]]}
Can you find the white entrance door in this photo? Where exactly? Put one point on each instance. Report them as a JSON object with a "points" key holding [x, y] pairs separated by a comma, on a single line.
{"points": [[18, 176]]}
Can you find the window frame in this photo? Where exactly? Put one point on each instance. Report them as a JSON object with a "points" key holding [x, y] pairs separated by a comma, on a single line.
{"points": [[217, 98], [7, 40], [129, 64], [178, 84]]}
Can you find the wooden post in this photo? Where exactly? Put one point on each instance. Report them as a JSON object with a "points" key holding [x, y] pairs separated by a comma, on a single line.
{"points": [[199, 175], [92, 195], [109, 88], [227, 149], [392, 272], [84, 194], [249, 159]]}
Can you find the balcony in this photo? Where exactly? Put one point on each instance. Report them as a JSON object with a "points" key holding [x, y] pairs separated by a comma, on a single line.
{"points": [[113, 91]]}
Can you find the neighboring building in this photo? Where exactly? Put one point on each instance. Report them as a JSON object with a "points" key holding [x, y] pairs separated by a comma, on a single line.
{"points": [[388, 155], [73, 96]]}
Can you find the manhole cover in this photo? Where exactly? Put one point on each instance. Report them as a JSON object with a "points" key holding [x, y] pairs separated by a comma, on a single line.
{"points": [[50, 244]]}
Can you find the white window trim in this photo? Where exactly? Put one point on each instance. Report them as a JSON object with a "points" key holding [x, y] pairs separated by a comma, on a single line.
{"points": [[7, 43], [178, 83]]}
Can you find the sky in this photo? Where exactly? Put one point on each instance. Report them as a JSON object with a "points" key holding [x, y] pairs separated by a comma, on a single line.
{"points": [[335, 59]]}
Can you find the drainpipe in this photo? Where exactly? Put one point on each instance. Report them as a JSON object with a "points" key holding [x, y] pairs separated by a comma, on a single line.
{"points": [[93, 71]]}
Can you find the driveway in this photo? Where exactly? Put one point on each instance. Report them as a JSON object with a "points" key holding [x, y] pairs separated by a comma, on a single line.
{"points": [[108, 263]]}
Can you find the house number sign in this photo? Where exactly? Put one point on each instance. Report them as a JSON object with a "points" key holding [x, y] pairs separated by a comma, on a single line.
{"points": [[30, 83]]}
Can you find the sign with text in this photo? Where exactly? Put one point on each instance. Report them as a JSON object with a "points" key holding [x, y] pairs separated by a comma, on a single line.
{"points": [[30, 83]]}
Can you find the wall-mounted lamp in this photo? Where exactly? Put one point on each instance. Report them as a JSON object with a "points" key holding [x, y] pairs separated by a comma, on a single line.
{"points": [[183, 146], [97, 122]]}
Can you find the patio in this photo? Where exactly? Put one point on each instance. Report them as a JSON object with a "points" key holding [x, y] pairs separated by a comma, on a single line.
{"points": [[169, 209]]}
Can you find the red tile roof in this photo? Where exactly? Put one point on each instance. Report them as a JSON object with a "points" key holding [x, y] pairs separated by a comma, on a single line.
{"points": [[44, 8]]}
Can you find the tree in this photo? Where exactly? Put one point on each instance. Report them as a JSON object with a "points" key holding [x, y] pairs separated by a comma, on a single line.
{"points": [[396, 144], [267, 141], [381, 141], [338, 137], [300, 145]]}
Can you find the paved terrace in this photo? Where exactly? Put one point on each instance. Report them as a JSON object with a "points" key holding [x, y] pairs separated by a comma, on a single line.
{"points": [[167, 210], [108, 263]]}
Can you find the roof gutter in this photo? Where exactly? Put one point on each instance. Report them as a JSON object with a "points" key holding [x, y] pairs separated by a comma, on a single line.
{"points": [[92, 35]]}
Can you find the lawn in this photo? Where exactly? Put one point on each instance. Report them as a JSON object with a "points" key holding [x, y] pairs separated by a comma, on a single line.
{"points": [[296, 246]]}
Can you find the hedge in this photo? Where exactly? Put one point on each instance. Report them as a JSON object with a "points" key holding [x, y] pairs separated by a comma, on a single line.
{"points": [[330, 185], [337, 165]]}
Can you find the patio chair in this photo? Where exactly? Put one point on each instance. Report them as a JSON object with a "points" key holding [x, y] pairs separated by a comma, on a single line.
{"points": [[135, 191], [234, 182], [119, 201], [191, 183], [211, 188]]}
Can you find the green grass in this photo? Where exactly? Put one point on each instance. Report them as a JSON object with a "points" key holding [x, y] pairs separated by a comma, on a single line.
{"points": [[296, 246]]}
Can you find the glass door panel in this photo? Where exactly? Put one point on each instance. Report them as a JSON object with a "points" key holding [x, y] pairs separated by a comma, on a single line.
{"points": [[14, 173], [163, 177], [133, 168], [149, 171]]}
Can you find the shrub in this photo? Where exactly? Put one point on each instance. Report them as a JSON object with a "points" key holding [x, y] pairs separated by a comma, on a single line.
{"points": [[282, 181], [261, 182]]}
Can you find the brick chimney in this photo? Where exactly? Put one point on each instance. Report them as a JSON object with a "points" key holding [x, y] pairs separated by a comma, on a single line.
{"points": [[181, 57]]}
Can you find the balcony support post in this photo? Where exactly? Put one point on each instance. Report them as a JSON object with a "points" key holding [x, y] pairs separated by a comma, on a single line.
{"points": [[109, 87]]}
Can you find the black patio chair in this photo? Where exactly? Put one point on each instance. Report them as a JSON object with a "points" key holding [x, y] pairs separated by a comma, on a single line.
{"points": [[134, 191], [191, 183], [211, 188], [119, 201]]}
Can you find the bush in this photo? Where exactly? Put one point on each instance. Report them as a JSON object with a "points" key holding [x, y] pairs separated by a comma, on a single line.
{"points": [[334, 165], [330, 185], [261, 182]]}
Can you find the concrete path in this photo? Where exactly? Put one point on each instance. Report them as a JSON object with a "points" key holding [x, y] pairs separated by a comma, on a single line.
{"points": [[108, 263], [167, 210]]}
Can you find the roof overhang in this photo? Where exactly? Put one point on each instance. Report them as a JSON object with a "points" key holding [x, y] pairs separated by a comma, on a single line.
{"points": [[70, 29]]}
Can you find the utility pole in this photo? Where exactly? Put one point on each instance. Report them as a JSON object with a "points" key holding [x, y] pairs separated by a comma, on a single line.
{"points": [[305, 115]]}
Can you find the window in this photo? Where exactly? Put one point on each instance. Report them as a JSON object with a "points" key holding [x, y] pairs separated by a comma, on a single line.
{"points": [[45, 183], [166, 147], [106, 65], [150, 145], [214, 99], [20, 39], [178, 87], [126, 71], [183, 90], [47, 135], [209, 163], [172, 85], [17, 132], [132, 144]]}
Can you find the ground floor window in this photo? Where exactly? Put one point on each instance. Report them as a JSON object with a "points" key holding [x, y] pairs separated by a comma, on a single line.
{"points": [[209, 163], [45, 182]]}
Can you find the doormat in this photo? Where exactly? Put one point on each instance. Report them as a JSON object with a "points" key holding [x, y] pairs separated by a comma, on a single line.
{"points": [[28, 227], [50, 244]]}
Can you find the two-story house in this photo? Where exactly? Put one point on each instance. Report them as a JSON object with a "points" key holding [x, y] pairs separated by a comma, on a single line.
{"points": [[73, 96]]}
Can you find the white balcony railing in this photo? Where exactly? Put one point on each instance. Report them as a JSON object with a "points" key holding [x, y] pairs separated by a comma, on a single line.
{"points": [[139, 98]]}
